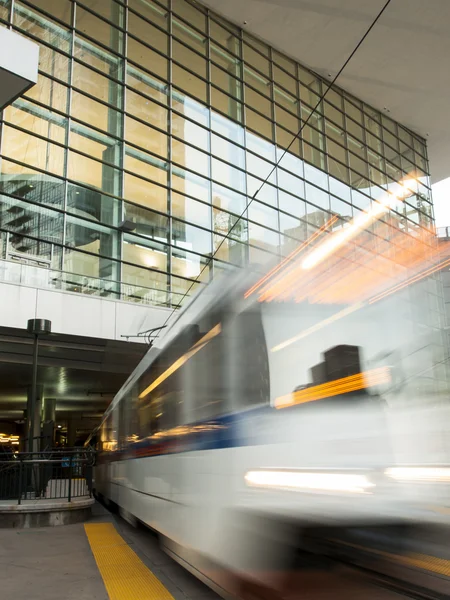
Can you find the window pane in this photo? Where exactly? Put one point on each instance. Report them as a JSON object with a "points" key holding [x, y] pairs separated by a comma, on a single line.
{"points": [[151, 11], [61, 10], [146, 84], [226, 104], [257, 81], [191, 14], [187, 264], [189, 157], [24, 182], [147, 58], [229, 250], [143, 30], [233, 226], [91, 172], [290, 183], [53, 63], [189, 58], [285, 80], [93, 238], [5, 6], [285, 62], [189, 36], [146, 138], [111, 10], [191, 184], [96, 85], [286, 100], [190, 132], [189, 237], [290, 204], [191, 210], [145, 192], [255, 43], [33, 151], [41, 27], [93, 204], [258, 102], [145, 165], [188, 82], [182, 289], [37, 120], [229, 152], [96, 114], [259, 124], [228, 199], [149, 224], [263, 238], [94, 144], [144, 253], [228, 175], [99, 30], [98, 58], [24, 219], [224, 37], [263, 215], [226, 82], [141, 107]]}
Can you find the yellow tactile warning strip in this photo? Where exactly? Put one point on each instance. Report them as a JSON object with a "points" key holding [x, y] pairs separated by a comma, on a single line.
{"points": [[418, 561], [124, 574], [426, 563]]}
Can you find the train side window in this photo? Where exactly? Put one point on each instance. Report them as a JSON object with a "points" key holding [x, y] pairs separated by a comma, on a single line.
{"points": [[250, 363], [209, 393]]}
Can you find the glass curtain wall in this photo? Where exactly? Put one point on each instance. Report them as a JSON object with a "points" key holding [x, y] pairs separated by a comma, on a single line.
{"points": [[162, 113]]}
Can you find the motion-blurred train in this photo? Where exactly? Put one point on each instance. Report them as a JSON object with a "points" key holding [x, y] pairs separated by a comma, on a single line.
{"points": [[251, 422]]}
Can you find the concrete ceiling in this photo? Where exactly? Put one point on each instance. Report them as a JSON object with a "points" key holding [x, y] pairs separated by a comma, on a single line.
{"points": [[402, 64], [81, 374]]}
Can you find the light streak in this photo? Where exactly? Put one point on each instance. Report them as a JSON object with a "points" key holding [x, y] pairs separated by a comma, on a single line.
{"points": [[379, 207], [309, 481], [291, 256], [314, 328], [337, 387], [212, 333], [410, 281]]}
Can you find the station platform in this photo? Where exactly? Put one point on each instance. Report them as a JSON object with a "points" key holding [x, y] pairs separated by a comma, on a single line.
{"points": [[103, 559], [107, 559]]}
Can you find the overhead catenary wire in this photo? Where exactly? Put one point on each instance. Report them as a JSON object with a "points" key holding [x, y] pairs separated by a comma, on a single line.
{"points": [[283, 154]]}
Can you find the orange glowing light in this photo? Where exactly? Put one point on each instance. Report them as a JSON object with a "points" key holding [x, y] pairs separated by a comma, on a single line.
{"points": [[291, 256], [212, 333], [337, 387]]}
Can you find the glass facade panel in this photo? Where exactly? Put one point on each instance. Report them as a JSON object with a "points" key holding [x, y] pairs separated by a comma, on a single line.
{"points": [[165, 114]]}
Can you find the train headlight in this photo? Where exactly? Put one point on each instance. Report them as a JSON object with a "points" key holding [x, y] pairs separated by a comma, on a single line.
{"points": [[419, 474], [308, 481]]}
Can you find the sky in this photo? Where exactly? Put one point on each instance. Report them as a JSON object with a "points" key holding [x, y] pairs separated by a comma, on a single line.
{"points": [[441, 201]]}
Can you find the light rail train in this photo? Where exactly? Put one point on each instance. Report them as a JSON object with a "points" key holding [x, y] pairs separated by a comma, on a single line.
{"points": [[251, 422]]}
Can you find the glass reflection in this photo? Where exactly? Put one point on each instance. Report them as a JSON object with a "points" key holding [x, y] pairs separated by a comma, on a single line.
{"points": [[119, 162]]}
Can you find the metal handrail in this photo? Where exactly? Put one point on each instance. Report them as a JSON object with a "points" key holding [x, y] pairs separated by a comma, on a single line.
{"points": [[58, 473]]}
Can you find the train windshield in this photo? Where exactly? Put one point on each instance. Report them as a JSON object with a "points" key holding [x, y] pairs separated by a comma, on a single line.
{"points": [[320, 351]]}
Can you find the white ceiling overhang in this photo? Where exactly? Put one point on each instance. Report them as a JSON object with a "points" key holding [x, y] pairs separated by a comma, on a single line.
{"points": [[402, 66]]}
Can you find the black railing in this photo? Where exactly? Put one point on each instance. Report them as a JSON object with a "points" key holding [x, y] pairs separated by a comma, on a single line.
{"points": [[58, 474]]}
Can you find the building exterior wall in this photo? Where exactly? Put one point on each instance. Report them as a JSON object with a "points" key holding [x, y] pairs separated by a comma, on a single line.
{"points": [[74, 314], [163, 113]]}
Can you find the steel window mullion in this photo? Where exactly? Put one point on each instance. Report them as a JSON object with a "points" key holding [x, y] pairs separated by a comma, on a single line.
{"points": [[67, 136], [209, 100], [169, 294], [123, 150], [11, 14]]}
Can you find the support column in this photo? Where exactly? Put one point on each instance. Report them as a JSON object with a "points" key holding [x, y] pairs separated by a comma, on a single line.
{"points": [[36, 327], [35, 421], [48, 427], [71, 432]]}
